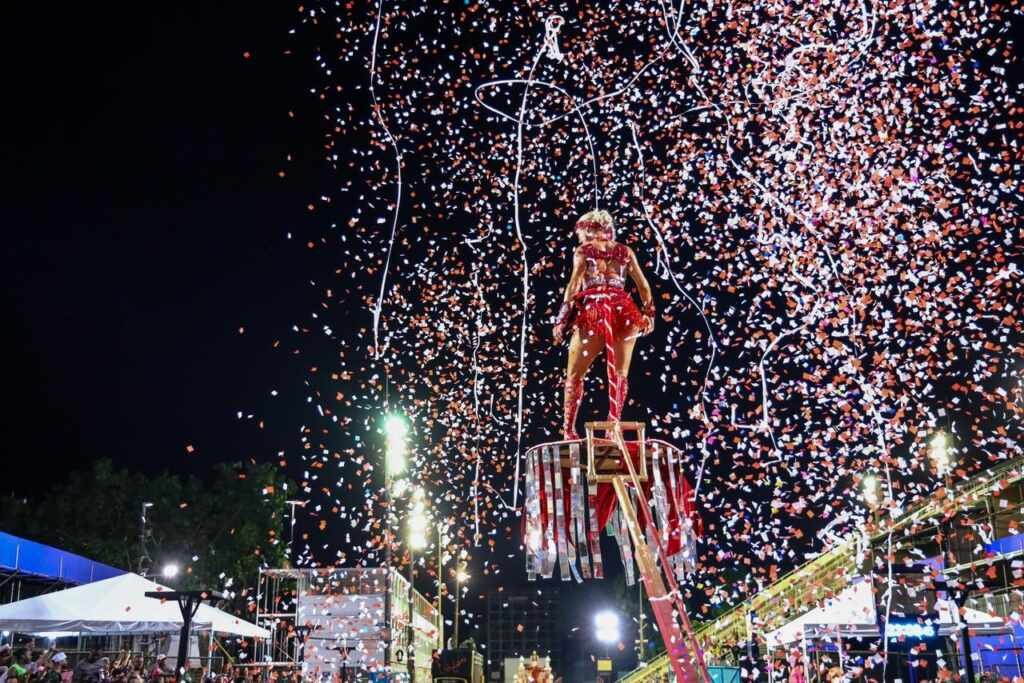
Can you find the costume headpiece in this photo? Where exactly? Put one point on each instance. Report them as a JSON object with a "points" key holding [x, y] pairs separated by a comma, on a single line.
{"points": [[593, 226]]}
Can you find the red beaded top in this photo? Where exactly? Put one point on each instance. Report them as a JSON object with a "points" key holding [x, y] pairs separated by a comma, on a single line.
{"points": [[605, 267]]}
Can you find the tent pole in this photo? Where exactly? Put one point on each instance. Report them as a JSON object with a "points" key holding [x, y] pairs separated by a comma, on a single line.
{"points": [[1016, 654], [803, 646], [839, 648]]}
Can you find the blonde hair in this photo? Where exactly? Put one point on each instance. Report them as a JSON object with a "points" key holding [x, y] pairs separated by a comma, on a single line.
{"points": [[601, 217], [598, 216]]}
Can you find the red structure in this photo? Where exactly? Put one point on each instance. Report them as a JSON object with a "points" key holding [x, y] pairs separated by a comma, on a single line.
{"points": [[577, 487]]}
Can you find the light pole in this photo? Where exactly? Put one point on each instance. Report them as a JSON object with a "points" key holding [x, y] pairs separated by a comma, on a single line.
{"points": [[939, 452], [144, 560], [869, 488], [417, 541], [941, 455], [460, 578], [606, 625], [291, 522], [640, 643], [440, 584], [396, 431]]}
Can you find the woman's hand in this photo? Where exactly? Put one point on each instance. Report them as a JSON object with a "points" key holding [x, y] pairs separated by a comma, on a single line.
{"points": [[561, 322], [558, 334], [648, 325]]}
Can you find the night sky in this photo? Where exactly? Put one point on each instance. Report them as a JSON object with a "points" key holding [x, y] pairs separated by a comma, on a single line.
{"points": [[145, 224], [149, 269]]}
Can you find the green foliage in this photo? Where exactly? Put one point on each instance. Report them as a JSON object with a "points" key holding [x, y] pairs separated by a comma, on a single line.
{"points": [[219, 532]]}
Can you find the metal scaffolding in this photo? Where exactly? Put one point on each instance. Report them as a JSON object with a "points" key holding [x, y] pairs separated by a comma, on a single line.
{"points": [[975, 528]]}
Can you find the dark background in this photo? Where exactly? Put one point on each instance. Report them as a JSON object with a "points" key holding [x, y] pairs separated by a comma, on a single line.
{"points": [[145, 224]]}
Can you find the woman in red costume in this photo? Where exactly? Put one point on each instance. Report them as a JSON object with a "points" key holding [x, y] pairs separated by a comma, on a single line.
{"points": [[600, 315]]}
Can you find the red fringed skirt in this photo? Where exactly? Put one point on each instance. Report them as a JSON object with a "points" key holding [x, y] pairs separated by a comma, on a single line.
{"points": [[606, 310]]}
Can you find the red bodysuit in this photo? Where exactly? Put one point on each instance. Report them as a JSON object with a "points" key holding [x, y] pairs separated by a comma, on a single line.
{"points": [[602, 307]]}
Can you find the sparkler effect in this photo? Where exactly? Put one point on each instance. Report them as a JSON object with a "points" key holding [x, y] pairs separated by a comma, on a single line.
{"points": [[828, 197]]}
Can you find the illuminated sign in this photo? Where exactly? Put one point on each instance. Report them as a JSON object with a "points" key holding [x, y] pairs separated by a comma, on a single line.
{"points": [[910, 630]]}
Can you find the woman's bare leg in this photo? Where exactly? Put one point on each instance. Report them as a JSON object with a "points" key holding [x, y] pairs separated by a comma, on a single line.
{"points": [[583, 349], [621, 353]]}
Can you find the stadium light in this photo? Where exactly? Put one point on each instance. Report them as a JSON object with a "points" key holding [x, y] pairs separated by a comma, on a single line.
{"points": [[607, 624], [170, 570], [418, 521], [396, 432], [869, 486], [938, 451]]}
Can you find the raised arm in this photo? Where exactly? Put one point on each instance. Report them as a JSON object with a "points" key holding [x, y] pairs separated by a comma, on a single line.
{"points": [[644, 289]]}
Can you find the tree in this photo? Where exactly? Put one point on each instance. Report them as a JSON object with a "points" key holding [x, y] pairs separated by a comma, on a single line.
{"points": [[218, 531]]}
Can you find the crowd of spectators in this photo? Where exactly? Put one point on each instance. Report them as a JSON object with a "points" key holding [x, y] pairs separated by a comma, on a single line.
{"points": [[26, 664]]}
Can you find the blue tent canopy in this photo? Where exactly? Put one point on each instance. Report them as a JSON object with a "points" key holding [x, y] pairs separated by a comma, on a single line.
{"points": [[20, 556]]}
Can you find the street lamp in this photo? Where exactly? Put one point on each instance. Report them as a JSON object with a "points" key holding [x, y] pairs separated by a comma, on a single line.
{"points": [[460, 578], [872, 495], [396, 432], [869, 486], [607, 625], [417, 541], [939, 452], [144, 559], [418, 521], [292, 504]]}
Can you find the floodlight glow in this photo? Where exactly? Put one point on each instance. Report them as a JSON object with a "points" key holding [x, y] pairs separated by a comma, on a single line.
{"points": [[607, 624], [396, 432], [870, 487], [418, 521], [169, 571], [938, 450]]}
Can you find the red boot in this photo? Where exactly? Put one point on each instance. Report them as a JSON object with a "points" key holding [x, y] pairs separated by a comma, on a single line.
{"points": [[618, 388], [573, 398]]}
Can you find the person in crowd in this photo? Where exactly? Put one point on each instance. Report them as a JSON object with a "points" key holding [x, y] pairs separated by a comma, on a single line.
{"points": [[138, 672], [50, 665], [160, 671], [88, 669], [103, 672], [18, 668], [796, 669]]}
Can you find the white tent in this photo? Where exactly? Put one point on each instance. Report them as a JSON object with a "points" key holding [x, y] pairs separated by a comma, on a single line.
{"points": [[117, 605], [851, 614]]}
